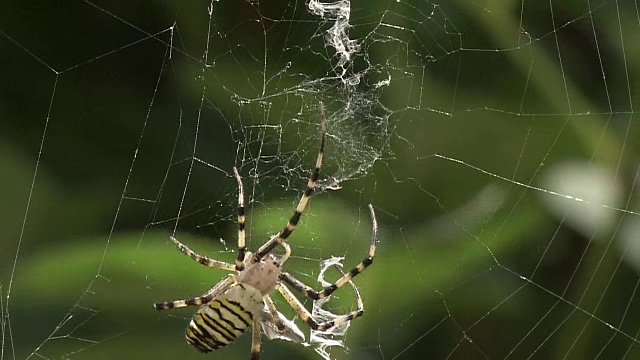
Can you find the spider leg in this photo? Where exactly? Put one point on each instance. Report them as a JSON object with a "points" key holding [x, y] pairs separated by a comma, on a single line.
{"points": [[307, 317], [242, 248], [255, 340], [216, 264], [345, 278], [287, 252], [274, 313], [276, 326], [311, 184], [203, 299]]}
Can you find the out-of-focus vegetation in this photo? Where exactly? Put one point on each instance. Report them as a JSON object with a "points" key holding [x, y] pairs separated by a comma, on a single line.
{"points": [[469, 265]]}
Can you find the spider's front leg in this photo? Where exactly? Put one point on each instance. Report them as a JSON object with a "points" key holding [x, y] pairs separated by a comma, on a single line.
{"points": [[307, 317], [242, 247], [304, 199], [327, 291], [345, 278]]}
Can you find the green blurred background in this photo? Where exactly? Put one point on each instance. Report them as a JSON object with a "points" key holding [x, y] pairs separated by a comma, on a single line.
{"points": [[120, 123]]}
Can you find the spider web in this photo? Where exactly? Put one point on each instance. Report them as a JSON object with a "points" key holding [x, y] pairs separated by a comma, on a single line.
{"points": [[496, 141]]}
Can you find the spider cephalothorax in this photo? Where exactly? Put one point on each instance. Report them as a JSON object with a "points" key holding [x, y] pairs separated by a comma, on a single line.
{"points": [[261, 274]]}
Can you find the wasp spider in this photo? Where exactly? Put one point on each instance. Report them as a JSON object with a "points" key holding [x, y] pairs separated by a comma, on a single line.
{"points": [[242, 300]]}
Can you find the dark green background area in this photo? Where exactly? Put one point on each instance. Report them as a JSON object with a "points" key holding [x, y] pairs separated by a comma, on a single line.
{"points": [[105, 101]]}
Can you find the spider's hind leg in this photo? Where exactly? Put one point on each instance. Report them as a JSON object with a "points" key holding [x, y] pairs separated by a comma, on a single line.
{"points": [[255, 340], [203, 299], [212, 263]]}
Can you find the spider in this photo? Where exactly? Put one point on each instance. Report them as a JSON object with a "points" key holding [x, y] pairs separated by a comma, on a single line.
{"points": [[242, 300]]}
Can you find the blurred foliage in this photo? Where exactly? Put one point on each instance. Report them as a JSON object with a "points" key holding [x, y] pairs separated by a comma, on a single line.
{"points": [[469, 264]]}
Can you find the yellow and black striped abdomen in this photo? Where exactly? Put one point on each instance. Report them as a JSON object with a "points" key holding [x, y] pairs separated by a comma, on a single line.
{"points": [[219, 322]]}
